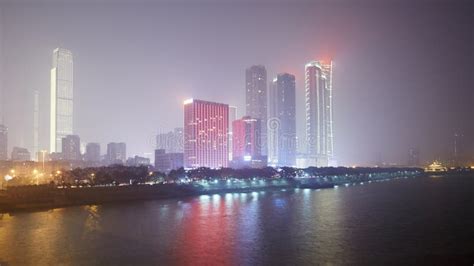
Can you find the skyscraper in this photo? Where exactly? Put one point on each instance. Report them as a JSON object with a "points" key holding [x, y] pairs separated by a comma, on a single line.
{"points": [[3, 143], [273, 125], [206, 130], [282, 121], [232, 117], [61, 98], [328, 104], [256, 99], [71, 148], [319, 123]]}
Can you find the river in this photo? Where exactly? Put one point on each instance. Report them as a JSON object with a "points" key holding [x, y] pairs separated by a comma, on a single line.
{"points": [[423, 220]]}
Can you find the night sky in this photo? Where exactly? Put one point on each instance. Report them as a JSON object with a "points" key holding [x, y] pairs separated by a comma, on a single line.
{"points": [[403, 77]]}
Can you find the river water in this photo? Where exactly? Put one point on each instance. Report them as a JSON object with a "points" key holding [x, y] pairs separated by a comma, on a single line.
{"points": [[424, 220]]}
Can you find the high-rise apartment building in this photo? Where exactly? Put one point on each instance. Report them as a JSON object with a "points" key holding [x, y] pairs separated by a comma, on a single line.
{"points": [[256, 99], [116, 153], [319, 113], [246, 135], [282, 121], [246, 138], [71, 148], [61, 119], [206, 128], [92, 153]]}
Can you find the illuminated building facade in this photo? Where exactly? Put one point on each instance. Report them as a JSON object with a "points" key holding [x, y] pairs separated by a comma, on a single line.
{"points": [[282, 121], [61, 98], [246, 136], [319, 114], [206, 128], [256, 99]]}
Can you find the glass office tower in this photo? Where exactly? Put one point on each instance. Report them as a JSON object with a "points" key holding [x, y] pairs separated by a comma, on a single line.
{"points": [[61, 98]]}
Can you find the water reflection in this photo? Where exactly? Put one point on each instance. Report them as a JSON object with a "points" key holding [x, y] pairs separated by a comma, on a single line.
{"points": [[204, 232], [290, 227]]}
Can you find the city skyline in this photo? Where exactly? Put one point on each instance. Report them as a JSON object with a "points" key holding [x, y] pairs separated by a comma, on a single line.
{"points": [[367, 112], [236, 132]]}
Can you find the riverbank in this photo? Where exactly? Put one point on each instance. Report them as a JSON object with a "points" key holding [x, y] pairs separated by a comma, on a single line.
{"points": [[27, 198]]}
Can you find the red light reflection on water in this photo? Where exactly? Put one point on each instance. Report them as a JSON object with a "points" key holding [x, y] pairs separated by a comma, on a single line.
{"points": [[206, 231]]}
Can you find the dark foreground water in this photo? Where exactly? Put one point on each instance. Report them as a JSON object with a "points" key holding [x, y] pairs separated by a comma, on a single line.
{"points": [[405, 221]]}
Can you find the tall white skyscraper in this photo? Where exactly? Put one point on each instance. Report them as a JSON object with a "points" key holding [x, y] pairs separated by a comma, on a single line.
{"points": [[319, 120], [61, 98]]}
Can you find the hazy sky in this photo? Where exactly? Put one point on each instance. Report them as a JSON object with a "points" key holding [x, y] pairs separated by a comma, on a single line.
{"points": [[403, 72]]}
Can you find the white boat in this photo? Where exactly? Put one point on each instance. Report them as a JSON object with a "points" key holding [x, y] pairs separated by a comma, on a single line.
{"points": [[436, 167]]}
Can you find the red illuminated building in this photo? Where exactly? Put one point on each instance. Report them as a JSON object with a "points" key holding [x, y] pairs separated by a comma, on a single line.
{"points": [[206, 127], [246, 135], [247, 147]]}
